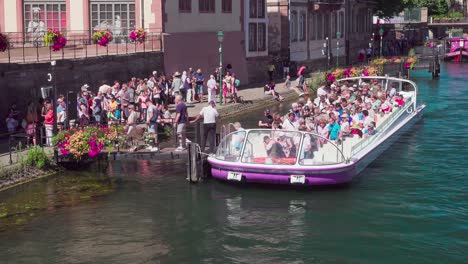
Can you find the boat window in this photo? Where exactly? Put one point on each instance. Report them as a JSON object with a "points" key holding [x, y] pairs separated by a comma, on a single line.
{"points": [[231, 146], [317, 150], [273, 147]]}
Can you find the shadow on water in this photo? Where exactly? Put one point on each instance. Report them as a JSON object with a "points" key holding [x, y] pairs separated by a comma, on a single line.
{"points": [[24, 203]]}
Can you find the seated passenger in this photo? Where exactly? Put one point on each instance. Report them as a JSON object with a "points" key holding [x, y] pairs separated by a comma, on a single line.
{"points": [[399, 101], [273, 148], [267, 120], [289, 123], [345, 129], [334, 129], [370, 130], [322, 130]]}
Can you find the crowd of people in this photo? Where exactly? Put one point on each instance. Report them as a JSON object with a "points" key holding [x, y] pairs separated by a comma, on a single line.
{"points": [[340, 110]]}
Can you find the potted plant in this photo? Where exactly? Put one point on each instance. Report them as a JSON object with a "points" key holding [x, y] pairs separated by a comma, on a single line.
{"points": [[102, 37], [3, 42], [138, 35], [55, 38]]}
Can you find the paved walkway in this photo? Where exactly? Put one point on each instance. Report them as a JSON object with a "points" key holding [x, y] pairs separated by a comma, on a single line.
{"points": [[250, 96]]}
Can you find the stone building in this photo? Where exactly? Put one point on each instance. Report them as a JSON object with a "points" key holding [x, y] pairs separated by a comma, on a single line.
{"points": [[188, 27], [299, 28]]}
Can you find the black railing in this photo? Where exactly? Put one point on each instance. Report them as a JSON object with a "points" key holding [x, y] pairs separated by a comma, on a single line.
{"points": [[23, 48]]}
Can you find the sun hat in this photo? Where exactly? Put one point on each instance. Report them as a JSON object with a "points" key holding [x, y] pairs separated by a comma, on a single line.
{"points": [[177, 73], [344, 115]]}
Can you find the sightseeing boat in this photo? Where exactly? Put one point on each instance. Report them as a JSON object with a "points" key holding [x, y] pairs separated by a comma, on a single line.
{"points": [[458, 49], [247, 156]]}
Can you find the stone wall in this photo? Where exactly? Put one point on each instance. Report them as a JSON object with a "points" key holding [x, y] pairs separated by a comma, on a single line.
{"points": [[22, 82]]}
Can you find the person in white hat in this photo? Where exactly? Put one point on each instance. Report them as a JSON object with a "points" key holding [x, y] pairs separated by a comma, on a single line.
{"points": [[84, 88]]}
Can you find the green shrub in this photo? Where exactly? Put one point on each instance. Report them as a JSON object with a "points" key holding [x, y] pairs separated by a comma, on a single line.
{"points": [[36, 157], [455, 15]]}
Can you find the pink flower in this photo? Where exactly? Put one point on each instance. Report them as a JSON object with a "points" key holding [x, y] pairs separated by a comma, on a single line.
{"points": [[331, 77], [64, 151], [133, 35], [407, 65], [56, 47]]}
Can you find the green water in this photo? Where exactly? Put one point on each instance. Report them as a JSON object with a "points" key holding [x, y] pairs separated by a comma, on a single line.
{"points": [[409, 206]]}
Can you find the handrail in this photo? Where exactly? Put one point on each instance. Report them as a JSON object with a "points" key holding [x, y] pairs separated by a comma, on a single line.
{"points": [[382, 127]]}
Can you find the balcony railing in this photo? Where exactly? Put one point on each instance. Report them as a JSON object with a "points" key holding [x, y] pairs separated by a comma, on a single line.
{"points": [[447, 20], [25, 48]]}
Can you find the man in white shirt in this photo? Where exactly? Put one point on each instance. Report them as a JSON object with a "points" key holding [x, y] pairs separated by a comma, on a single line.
{"points": [[210, 114], [289, 123], [211, 85]]}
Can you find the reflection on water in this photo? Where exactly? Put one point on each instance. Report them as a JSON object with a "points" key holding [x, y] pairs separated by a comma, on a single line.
{"points": [[409, 206]]}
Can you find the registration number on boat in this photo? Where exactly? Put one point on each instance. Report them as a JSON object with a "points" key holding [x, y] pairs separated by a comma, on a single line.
{"points": [[234, 176], [298, 179]]}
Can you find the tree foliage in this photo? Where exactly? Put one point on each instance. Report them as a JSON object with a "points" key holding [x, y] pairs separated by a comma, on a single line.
{"points": [[387, 8]]}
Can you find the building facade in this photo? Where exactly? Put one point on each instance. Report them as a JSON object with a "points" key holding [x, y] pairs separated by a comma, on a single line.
{"points": [[299, 28], [188, 27]]}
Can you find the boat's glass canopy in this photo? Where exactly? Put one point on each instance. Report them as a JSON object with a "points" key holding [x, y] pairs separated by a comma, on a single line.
{"points": [[278, 147]]}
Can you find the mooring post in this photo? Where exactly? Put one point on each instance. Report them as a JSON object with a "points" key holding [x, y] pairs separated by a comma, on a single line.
{"points": [[193, 172]]}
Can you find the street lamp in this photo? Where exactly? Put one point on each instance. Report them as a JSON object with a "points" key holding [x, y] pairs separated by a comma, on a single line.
{"points": [[51, 78], [220, 40], [381, 31], [326, 52], [338, 35]]}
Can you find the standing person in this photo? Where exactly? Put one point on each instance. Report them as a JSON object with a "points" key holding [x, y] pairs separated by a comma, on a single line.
{"points": [[210, 114], [199, 80], [270, 70], [152, 121], [142, 104], [227, 84], [31, 119], [176, 83], [49, 124], [285, 67], [124, 101], [300, 74], [235, 84], [11, 123], [97, 108], [212, 86], [188, 89], [180, 121], [132, 120]]}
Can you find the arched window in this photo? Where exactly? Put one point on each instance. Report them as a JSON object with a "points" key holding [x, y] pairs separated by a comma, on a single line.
{"points": [[293, 25], [302, 27]]}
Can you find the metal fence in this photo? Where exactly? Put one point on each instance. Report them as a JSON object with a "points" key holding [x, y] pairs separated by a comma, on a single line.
{"points": [[24, 48]]}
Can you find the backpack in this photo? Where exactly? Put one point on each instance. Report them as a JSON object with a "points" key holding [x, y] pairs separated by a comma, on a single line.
{"points": [[237, 82]]}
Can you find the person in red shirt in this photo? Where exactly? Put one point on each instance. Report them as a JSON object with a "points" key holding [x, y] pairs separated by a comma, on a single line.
{"points": [[399, 101], [301, 78], [49, 124]]}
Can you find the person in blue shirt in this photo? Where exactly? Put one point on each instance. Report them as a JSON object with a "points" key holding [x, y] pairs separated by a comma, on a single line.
{"points": [[334, 129], [199, 80]]}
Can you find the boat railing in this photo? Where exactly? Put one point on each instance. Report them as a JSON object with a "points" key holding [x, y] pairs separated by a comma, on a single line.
{"points": [[380, 129]]}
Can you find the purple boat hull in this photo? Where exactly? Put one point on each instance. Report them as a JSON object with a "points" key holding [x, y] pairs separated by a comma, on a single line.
{"points": [[312, 177]]}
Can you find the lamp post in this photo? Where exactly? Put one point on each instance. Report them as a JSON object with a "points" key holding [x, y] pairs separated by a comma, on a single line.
{"points": [[338, 35], [326, 52], [381, 31], [220, 40], [51, 78]]}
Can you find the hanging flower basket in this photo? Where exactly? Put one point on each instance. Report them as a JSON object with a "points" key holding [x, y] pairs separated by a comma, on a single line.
{"points": [[3, 42], [138, 35], [56, 39], [102, 37]]}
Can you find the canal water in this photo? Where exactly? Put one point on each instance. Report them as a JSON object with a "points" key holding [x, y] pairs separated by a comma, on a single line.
{"points": [[409, 206]]}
